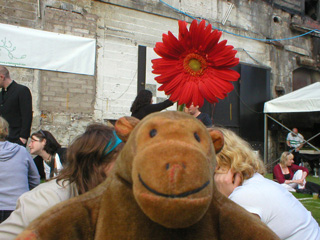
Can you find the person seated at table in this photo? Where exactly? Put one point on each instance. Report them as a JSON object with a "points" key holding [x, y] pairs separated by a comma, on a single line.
{"points": [[90, 158], [51, 156], [292, 176], [295, 142], [238, 176]]}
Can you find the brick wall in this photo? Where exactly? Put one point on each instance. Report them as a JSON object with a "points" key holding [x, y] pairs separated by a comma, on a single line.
{"points": [[21, 13], [65, 92], [69, 22], [62, 102], [67, 100], [120, 31]]}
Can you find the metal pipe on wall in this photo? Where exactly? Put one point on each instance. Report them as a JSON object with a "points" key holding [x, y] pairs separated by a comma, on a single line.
{"points": [[39, 10], [265, 152]]}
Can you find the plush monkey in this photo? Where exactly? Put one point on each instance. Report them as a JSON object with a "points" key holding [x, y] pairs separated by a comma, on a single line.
{"points": [[161, 187]]}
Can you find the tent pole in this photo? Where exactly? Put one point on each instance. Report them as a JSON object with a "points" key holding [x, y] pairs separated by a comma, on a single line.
{"points": [[265, 153]]}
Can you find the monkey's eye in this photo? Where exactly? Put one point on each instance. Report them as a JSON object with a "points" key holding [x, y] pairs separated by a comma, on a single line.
{"points": [[196, 136], [153, 132]]}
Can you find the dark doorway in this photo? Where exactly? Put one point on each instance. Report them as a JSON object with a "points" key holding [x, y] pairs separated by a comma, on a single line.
{"points": [[242, 109], [226, 112], [142, 56], [303, 77], [312, 9]]}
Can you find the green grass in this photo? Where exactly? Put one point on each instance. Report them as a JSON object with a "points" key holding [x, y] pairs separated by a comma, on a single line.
{"points": [[313, 205]]}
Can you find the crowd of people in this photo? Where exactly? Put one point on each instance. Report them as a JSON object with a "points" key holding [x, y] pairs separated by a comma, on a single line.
{"points": [[90, 157], [239, 176], [67, 173]]}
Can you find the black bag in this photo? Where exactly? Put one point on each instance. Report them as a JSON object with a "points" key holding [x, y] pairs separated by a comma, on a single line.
{"points": [[304, 191], [312, 187]]}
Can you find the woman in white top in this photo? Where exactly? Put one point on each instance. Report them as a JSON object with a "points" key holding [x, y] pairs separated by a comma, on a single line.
{"points": [[239, 176], [90, 157], [51, 156]]}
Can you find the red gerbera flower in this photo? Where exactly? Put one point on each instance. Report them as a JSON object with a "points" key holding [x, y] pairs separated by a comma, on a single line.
{"points": [[196, 65]]}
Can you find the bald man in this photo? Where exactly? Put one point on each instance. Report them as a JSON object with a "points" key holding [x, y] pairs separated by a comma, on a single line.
{"points": [[295, 141], [15, 107]]}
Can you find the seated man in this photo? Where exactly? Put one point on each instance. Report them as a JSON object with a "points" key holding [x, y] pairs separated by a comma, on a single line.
{"points": [[295, 142]]}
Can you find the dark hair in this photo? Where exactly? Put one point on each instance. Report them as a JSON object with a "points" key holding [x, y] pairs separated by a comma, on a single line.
{"points": [[51, 145], [143, 98], [86, 158]]}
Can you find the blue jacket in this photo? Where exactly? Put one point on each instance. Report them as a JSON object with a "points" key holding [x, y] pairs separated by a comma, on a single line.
{"points": [[18, 174]]}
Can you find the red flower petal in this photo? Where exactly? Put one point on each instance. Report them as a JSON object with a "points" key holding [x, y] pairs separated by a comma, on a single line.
{"points": [[176, 94], [166, 76], [215, 88], [186, 94], [172, 43], [225, 74], [183, 31], [219, 87], [164, 52], [197, 98], [172, 85], [206, 93], [196, 33], [211, 41], [196, 65], [160, 65]]}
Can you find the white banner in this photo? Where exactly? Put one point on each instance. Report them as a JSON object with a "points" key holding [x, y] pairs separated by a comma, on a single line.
{"points": [[31, 48]]}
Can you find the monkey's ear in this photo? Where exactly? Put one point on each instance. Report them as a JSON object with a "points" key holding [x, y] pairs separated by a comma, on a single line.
{"points": [[217, 139], [124, 127]]}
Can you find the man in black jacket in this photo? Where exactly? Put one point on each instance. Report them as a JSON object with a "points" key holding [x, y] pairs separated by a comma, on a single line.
{"points": [[15, 107]]}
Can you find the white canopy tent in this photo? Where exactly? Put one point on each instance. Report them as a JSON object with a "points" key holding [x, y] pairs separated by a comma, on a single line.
{"points": [[306, 99]]}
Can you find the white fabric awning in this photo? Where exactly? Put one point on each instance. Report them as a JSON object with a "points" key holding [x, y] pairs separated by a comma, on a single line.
{"points": [[37, 49], [305, 99]]}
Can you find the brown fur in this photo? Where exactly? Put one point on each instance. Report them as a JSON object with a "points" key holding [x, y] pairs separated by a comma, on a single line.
{"points": [[144, 196]]}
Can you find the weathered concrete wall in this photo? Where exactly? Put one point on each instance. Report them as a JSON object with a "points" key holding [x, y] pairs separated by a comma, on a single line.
{"points": [[62, 102], [65, 103]]}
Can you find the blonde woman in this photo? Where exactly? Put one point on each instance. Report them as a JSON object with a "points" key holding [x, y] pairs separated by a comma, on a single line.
{"points": [[239, 177], [290, 175]]}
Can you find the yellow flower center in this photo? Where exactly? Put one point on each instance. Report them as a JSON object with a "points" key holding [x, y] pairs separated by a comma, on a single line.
{"points": [[194, 64]]}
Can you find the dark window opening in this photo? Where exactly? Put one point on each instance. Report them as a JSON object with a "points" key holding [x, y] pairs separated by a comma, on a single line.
{"points": [[242, 109], [303, 77], [312, 9], [276, 19], [142, 56]]}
